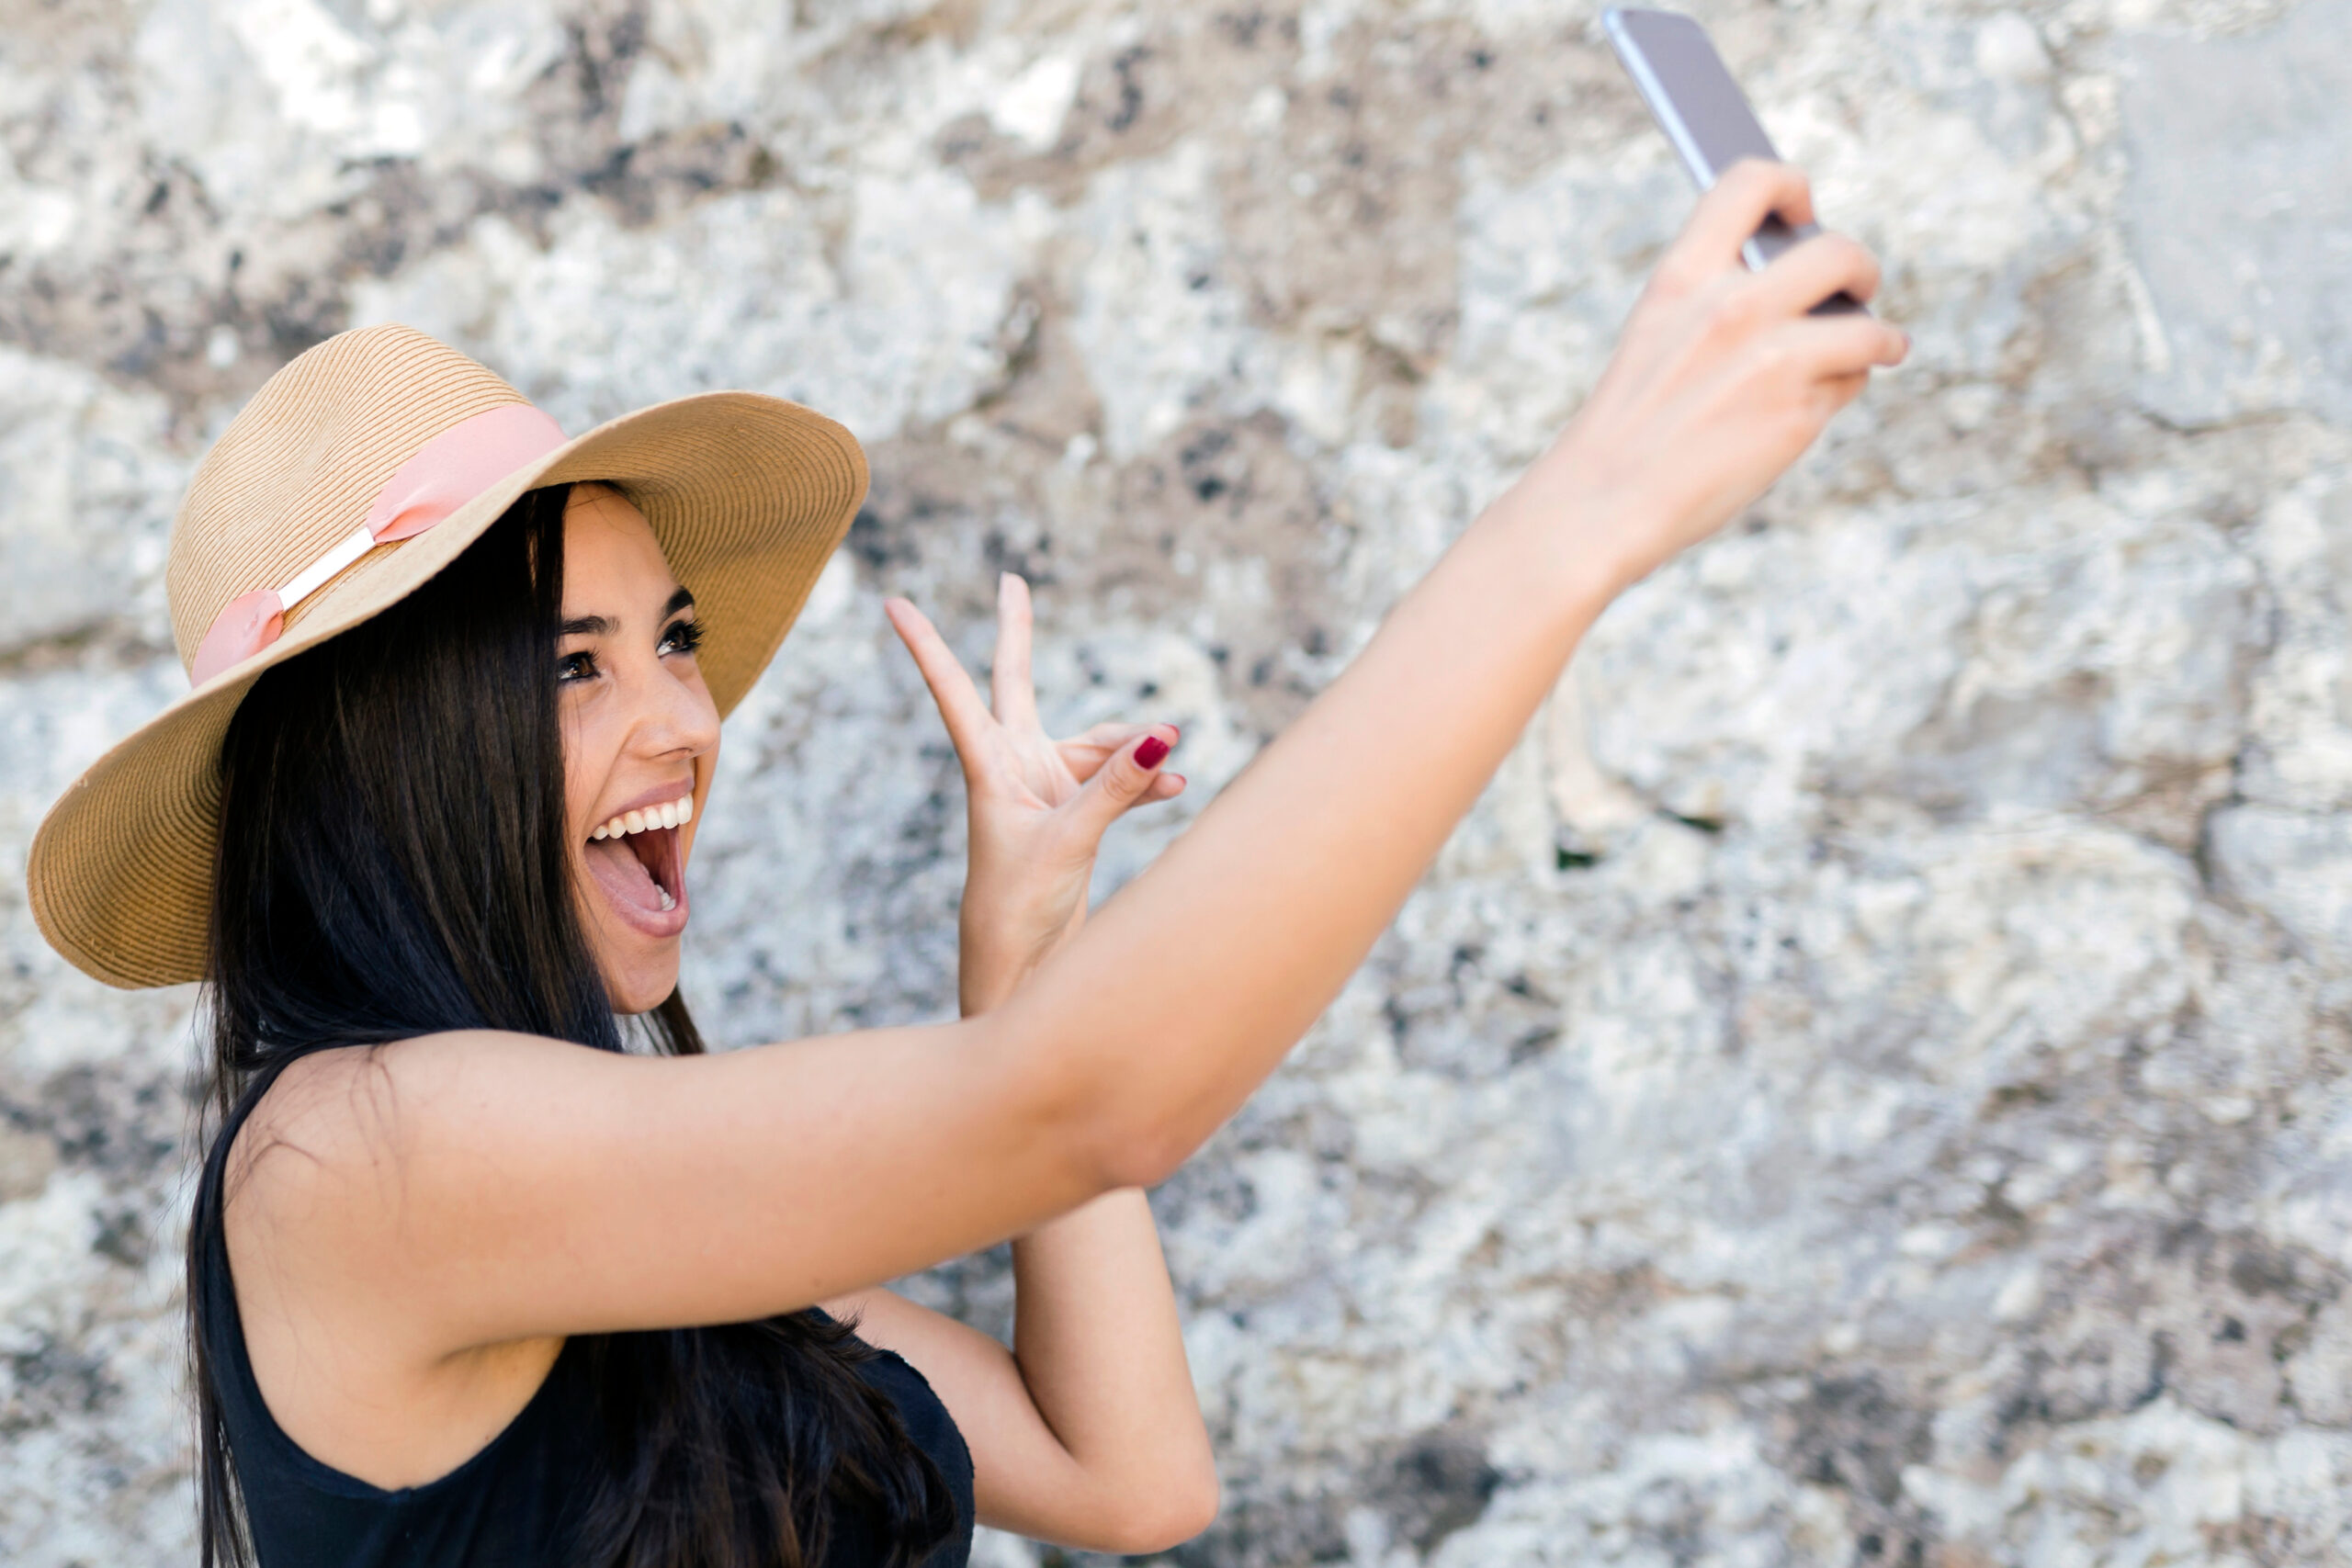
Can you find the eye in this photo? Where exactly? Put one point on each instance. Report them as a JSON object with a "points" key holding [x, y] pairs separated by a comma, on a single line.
{"points": [[680, 636], [574, 668]]}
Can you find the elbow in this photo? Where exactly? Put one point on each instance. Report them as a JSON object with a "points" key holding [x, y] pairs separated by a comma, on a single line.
{"points": [[1112, 1130], [1194, 1512], [1142, 1155], [1176, 1511], [1132, 1141]]}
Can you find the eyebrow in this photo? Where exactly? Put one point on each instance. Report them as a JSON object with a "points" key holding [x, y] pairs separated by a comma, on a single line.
{"points": [[605, 626]]}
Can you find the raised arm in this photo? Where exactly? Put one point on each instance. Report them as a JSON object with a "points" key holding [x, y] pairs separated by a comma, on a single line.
{"points": [[1207, 967], [468, 1191]]}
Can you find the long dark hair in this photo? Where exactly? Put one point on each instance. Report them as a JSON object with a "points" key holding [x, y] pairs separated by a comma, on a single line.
{"points": [[393, 863]]}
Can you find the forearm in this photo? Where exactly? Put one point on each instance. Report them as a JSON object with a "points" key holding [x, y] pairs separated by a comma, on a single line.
{"points": [[1097, 1343], [1185, 990], [1100, 1353], [1095, 1330], [1096, 1335]]}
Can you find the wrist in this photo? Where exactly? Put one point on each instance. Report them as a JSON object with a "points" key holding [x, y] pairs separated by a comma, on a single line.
{"points": [[993, 964], [984, 981], [1571, 534]]}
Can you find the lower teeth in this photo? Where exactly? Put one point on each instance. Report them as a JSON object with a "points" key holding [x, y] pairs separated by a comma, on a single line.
{"points": [[667, 902]]}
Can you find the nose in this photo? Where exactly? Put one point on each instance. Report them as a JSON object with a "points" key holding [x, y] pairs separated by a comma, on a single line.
{"points": [[675, 718]]}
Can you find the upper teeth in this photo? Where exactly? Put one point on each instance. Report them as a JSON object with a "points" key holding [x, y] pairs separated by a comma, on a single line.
{"points": [[628, 822]]}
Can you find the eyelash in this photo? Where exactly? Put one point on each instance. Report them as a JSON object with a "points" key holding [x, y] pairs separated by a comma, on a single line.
{"points": [[680, 636]]}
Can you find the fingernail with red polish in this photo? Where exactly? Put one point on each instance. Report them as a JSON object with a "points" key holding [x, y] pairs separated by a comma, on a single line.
{"points": [[1151, 753]]}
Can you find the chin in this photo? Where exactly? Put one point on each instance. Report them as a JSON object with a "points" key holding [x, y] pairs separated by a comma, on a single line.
{"points": [[642, 985], [639, 969]]}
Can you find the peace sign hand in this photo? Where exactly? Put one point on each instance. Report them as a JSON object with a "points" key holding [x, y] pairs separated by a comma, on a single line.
{"points": [[1038, 808]]}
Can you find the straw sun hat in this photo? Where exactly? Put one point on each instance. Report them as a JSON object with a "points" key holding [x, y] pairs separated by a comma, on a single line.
{"points": [[357, 471]]}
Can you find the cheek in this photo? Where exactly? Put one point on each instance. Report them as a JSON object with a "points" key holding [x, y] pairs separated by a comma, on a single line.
{"points": [[587, 764], [706, 722], [706, 769]]}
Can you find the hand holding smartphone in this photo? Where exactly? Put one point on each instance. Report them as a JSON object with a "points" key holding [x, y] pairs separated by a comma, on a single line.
{"points": [[1705, 116]]}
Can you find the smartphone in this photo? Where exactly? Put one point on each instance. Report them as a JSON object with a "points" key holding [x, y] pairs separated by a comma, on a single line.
{"points": [[1705, 115]]}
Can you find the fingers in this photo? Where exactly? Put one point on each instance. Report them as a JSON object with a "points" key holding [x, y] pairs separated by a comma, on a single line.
{"points": [[1813, 271], [1834, 347], [1839, 390], [1090, 751], [1082, 754], [1011, 690], [960, 708], [1131, 777], [1750, 191], [1104, 759]]}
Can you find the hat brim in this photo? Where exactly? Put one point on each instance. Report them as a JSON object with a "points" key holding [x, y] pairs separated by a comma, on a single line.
{"points": [[748, 497]]}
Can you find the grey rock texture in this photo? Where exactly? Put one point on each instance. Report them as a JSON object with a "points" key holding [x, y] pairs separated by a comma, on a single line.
{"points": [[1867, 1084]]}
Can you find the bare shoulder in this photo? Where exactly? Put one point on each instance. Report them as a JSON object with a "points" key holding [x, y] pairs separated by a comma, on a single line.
{"points": [[363, 1165], [302, 1118], [347, 1115]]}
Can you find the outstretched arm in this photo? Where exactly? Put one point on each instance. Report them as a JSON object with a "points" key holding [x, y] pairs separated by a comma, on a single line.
{"points": [[473, 1189], [1187, 989]]}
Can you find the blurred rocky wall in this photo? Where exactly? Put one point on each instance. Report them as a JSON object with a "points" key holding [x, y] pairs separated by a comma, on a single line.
{"points": [[1867, 1084]]}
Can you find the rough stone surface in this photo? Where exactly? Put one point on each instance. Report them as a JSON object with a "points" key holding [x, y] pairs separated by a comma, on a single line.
{"points": [[1867, 1084]]}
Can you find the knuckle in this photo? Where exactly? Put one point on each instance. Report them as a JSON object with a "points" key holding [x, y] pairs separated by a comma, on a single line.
{"points": [[1676, 277], [1732, 309], [1775, 360]]}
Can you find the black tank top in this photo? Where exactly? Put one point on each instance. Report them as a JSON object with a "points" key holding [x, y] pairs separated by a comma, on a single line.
{"points": [[512, 1504]]}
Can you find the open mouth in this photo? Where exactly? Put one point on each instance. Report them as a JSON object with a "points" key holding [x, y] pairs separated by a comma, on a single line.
{"points": [[639, 861]]}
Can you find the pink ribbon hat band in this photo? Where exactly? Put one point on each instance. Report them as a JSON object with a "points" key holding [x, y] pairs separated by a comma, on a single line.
{"points": [[447, 472]]}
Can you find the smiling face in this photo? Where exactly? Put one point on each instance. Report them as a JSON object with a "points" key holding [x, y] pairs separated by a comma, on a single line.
{"points": [[640, 734]]}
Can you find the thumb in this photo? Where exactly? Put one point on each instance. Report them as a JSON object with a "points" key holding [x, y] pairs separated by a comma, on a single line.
{"points": [[1126, 780]]}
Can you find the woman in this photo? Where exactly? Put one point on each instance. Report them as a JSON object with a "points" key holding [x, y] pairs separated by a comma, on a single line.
{"points": [[472, 1279]]}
